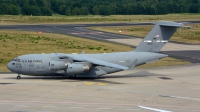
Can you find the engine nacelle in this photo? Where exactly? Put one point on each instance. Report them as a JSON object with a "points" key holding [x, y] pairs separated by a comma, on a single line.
{"points": [[77, 68], [57, 65]]}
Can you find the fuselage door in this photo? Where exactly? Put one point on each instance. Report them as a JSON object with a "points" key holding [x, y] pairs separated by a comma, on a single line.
{"points": [[31, 68]]}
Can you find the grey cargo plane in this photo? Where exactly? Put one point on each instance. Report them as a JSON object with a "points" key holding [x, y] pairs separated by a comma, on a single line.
{"points": [[96, 65]]}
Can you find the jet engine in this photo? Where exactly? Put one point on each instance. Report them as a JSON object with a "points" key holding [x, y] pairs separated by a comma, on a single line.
{"points": [[57, 65], [70, 68], [77, 68]]}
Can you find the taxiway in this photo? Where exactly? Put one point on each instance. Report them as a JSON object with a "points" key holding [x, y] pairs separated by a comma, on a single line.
{"points": [[168, 88]]}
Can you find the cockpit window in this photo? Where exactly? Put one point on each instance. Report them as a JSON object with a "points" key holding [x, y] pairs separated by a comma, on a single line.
{"points": [[15, 59], [18, 60]]}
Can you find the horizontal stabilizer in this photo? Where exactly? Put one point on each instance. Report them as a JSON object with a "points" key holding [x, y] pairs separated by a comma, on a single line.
{"points": [[170, 24]]}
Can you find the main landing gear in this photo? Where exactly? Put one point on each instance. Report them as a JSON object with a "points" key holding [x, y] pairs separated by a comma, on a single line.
{"points": [[18, 77]]}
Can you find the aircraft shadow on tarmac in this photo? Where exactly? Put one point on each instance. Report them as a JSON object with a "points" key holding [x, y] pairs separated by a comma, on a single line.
{"points": [[99, 79], [137, 74]]}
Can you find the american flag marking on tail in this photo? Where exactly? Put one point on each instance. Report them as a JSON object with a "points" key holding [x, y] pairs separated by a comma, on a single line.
{"points": [[157, 36]]}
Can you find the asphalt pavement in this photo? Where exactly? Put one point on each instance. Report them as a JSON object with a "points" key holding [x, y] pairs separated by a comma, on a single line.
{"points": [[173, 88]]}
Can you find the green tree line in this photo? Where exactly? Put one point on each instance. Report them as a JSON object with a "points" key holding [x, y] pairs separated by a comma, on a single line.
{"points": [[98, 7]]}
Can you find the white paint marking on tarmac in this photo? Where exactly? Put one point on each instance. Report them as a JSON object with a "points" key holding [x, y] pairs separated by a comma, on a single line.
{"points": [[153, 109], [83, 105], [103, 108], [49, 106], [20, 106], [75, 107], [196, 99]]}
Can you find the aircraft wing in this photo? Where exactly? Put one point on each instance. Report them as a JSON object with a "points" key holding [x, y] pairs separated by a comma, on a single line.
{"points": [[96, 61]]}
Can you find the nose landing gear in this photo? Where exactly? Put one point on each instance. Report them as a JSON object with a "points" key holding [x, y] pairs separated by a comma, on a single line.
{"points": [[18, 77]]}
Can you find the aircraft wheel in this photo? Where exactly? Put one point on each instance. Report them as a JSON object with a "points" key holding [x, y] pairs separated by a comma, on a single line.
{"points": [[18, 77]]}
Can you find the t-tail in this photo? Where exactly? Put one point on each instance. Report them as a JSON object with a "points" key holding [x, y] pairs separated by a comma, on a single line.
{"points": [[158, 36]]}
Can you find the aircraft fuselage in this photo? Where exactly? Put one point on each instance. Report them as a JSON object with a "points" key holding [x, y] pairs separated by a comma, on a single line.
{"points": [[41, 64]]}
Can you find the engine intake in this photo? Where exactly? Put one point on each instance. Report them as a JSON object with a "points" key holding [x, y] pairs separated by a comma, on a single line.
{"points": [[57, 65]]}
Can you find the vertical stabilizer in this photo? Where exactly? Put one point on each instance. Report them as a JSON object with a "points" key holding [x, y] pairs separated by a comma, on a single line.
{"points": [[158, 36]]}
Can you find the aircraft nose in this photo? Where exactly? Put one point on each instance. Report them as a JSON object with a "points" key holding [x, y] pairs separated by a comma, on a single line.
{"points": [[9, 66]]}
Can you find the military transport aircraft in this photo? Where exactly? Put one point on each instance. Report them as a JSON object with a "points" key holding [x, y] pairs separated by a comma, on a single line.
{"points": [[96, 65]]}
